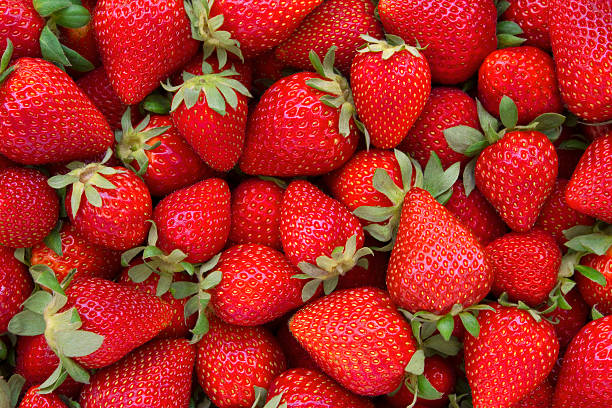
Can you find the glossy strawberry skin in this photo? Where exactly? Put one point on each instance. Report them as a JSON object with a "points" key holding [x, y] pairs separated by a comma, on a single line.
{"points": [[34, 128], [32, 399], [445, 108], [233, 359], [297, 357], [397, 87], [339, 334], [524, 74], [303, 388], [532, 17], [22, 25], [593, 293], [15, 286], [569, 322], [96, 85], [516, 175], [540, 397], [458, 34], [276, 142], [435, 250], [511, 345], [584, 380], [335, 22], [159, 42], [157, 374], [195, 219]]}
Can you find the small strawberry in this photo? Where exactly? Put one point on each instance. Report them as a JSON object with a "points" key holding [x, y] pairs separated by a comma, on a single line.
{"points": [[22, 25], [96, 85], [389, 79], [540, 397], [532, 17], [32, 399], [569, 322], [15, 286], [594, 293]]}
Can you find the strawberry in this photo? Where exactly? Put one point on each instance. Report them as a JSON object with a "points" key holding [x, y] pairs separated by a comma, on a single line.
{"points": [[512, 345], [540, 397], [584, 380], [335, 22], [159, 42], [590, 188], [338, 333], [277, 142], [22, 25], [29, 208], [243, 70], [570, 148], [15, 286], [32, 399], [195, 219], [231, 360], [389, 79], [525, 265], [297, 357], [267, 69], [257, 286], [569, 322], [372, 275], [457, 35], [579, 33], [34, 129], [445, 108], [155, 375], [532, 17], [526, 75], [97, 87], [595, 294], [302, 388]]}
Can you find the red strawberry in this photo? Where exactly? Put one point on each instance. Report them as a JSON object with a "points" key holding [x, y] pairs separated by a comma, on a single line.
{"points": [[22, 25], [569, 150], [511, 356], [532, 17], [32, 399], [540, 397], [15, 286], [97, 87], [267, 69], [590, 188], [524, 74], [155, 375], [445, 108], [140, 52], [302, 388], [457, 35], [584, 380], [593, 131], [372, 275], [580, 32], [358, 337], [593, 293], [231, 360], [436, 250], [335, 22], [389, 79], [29, 208], [297, 357], [569, 322]]}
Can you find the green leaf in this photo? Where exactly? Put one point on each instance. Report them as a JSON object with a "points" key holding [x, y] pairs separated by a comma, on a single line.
{"points": [[460, 138], [573, 144], [469, 177], [330, 284], [508, 112], [15, 385], [470, 323], [509, 40], [310, 288], [214, 99], [140, 273], [6, 56], [416, 365], [51, 48], [592, 274], [548, 121], [445, 326], [53, 241], [73, 16], [502, 6], [596, 314], [426, 390], [476, 148], [27, 323], [597, 243], [56, 378], [201, 326], [78, 343], [48, 279], [93, 197], [156, 103], [488, 122], [77, 61], [47, 7], [509, 27], [78, 373], [38, 302], [75, 198], [183, 289], [437, 343], [211, 280]]}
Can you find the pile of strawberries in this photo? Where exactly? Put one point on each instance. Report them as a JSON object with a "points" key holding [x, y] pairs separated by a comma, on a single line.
{"points": [[306, 204]]}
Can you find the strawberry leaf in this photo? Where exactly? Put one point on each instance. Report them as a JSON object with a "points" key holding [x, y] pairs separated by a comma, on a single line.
{"points": [[445, 326], [51, 49], [470, 323], [27, 323], [460, 138], [78, 343], [73, 16], [53, 241], [508, 112], [426, 390], [416, 365], [47, 7], [592, 274], [597, 243]]}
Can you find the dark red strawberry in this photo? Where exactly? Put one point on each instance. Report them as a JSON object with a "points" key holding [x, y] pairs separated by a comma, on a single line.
{"points": [[15, 286], [569, 322], [594, 293], [22, 25], [570, 148], [267, 69], [372, 275], [32, 399], [532, 17], [540, 397], [97, 87], [297, 357]]}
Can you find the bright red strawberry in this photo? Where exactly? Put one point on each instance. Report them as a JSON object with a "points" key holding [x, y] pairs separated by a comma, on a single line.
{"points": [[159, 43], [336, 22], [22, 25], [15, 286], [297, 357], [584, 380], [155, 375], [29, 208], [195, 219], [475, 212], [303, 388], [32, 399], [457, 35], [338, 332], [590, 188], [540, 397], [231, 360], [593, 293], [97, 87], [445, 108], [436, 250], [532, 17], [569, 322], [389, 79], [511, 356]]}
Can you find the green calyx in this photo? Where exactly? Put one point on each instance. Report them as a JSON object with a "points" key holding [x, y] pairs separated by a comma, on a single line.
{"points": [[41, 315], [5, 70], [389, 46], [415, 380], [85, 179], [132, 142], [329, 268], [206, 29], [507, 31], [10, 390], [537, 315], [261, 394]]}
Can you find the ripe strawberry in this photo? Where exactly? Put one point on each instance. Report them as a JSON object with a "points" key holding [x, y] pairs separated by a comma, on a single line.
{"points": [[29, 208], [22, 25], [15, 286], [593, 293], [584, 380], [337, 332], [159, 42], [569, 322], [524, 74], [590, 188], [389, 79], [32, 399], [372, 275], [267, 69], [297, 357], [511, 345], [457, 35], [540, 397], [593, 131], [436, 250], [445, 108], [335, 22], [231, 360], [532, 17], [580, 32], [569, 150], [155, 375], [302, 388], [96, 85]]}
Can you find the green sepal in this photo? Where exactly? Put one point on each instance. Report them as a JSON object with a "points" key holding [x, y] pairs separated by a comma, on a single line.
{"points": [[27, 323], [469, 176], [462, 138], [77, 61], [508, 112], [53, 241], [596, 314], [508, 40], [501, 6], [592, 274], [416, 365], [470, 323], [437, 181], [47, 7], [596, 243], [426, 390], [73, 16], [439, 345], [157, 104], [5, 70], [10, 390], [51, 48], [446, 326]]}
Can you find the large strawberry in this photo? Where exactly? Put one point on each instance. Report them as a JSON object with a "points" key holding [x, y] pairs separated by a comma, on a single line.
{"points": [[96, 85], [140, 52], [339, 333], [155, 375], [532, 17], [389, 79], [540, 397], [457, 35], [580, 32], [22, 25], [15, 286]]}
